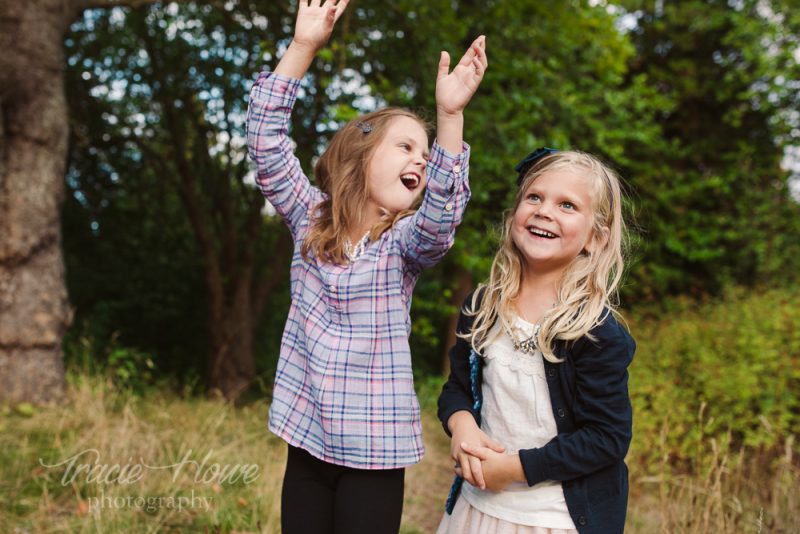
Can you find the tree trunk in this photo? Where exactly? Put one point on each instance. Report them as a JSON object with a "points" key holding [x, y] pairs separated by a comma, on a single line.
{"points": [[231, 363], [34, 312]]}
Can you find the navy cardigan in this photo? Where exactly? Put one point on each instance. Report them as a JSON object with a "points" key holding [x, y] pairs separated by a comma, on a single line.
{"points": [[592, 409]]}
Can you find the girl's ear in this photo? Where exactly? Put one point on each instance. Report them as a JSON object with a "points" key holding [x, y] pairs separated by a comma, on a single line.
{"points": [[598, 240]]}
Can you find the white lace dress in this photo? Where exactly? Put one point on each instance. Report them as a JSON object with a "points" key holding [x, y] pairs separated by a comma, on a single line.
{"points": [[516, 411]]}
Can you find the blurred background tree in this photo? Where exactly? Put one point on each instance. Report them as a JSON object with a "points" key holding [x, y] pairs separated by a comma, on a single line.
{"points": [[714, 199], [169, 250]]}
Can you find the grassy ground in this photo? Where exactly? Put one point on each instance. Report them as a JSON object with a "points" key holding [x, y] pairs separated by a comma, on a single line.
{"points": [[208, 453]]}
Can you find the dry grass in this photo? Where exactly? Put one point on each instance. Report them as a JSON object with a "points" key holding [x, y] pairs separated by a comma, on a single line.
{"points": [[733, 492]]}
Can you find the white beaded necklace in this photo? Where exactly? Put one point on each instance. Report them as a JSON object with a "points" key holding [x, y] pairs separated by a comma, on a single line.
{"points": [[353, 252]]}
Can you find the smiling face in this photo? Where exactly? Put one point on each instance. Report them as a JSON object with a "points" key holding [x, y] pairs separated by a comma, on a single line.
{"points": [[396, 170], [553, 222]]}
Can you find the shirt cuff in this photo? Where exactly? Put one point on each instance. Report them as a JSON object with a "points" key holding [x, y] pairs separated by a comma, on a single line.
{"points": [[447, 169]]}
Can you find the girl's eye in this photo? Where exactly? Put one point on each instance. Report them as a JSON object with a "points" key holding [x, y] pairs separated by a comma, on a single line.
{"points": [[533, 197], [568, 205], [405, 146]]}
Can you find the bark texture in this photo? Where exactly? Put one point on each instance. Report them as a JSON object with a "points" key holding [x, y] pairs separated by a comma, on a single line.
{"points": [[34, 312]]}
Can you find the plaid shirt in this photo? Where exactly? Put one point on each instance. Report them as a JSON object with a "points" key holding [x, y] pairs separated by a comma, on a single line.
{"points": [[344, 390]]}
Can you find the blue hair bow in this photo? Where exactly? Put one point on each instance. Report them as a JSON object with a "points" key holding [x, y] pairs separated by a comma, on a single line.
{"points": [[524, 166]]}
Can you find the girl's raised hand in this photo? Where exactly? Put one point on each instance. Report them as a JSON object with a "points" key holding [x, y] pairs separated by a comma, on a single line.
{"points": [[455, 89], [315, 21]]}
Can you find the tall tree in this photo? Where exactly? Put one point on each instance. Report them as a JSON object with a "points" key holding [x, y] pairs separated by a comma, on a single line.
{"points": [[715, 198], [160, 97], [34, 311]]}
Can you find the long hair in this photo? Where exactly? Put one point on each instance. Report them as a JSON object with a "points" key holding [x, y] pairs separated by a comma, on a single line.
{"points": [[341, 173], [588, 284]]}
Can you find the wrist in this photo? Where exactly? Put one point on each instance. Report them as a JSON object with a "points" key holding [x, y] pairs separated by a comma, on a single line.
{"points": [[304, 47], [514, 465], [458, 419], [448, 114]]}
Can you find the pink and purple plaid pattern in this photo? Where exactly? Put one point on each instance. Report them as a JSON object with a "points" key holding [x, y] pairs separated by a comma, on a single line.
{"points": [[344, 390]]}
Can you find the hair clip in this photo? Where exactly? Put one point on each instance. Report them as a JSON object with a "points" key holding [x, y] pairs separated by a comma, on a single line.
{"points": [[364, 126], [530, 160]]}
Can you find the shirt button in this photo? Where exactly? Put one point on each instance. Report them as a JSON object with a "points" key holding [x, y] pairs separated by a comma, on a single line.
{"points": [[581, 521], [448, 206], [332, 288], [561, 412], [551, 372], [456, 168]]}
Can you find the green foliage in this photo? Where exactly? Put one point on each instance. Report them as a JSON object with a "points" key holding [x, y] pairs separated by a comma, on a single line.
{"points": [[727, 370], [694, 102], [130, 368], [713, 197]]}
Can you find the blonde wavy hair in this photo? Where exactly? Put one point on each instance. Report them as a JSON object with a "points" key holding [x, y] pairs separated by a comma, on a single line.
{"points": [[341, 174], [589, 283]]}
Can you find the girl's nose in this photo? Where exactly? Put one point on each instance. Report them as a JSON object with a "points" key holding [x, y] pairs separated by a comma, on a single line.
{"points": [[543, 211]]}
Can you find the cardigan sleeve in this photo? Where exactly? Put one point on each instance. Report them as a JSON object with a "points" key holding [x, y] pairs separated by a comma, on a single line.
{"points": [[456, 393], [602, 410]]}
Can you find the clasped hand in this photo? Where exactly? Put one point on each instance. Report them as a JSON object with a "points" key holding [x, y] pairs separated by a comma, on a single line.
{"points": [[479, 459]]}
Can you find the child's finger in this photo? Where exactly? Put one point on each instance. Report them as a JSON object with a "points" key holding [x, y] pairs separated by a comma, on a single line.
{"points": [[477, 472], [480, 52], [444, 65], [478, 452], [330, 17], [464, 466], [496, 446], [340, 7], [466, 59], [478, 66]]}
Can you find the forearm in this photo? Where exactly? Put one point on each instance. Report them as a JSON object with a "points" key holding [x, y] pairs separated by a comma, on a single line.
{"points": [[450, 130], [279, 175], [426, 237], [507, 470], [296, 61], [268, 113]]}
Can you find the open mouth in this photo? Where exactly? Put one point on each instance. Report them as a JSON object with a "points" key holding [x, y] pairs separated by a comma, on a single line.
{"points": [[411, 181], [538, 232]]}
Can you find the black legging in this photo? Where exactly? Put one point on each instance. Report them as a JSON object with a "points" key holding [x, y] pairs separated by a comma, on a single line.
{"points": [[323, 498]]}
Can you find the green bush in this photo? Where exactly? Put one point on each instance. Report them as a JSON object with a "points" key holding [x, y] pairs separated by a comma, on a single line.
{"points": [[726, 371]]}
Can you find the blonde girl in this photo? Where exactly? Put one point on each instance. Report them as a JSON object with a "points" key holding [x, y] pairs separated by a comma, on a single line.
{"points": [[537, 400], [344, 396]]}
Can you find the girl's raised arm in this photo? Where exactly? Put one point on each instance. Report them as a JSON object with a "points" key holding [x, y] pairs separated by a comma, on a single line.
{"points": [[430, 232], [279, 174], [454, 91], [315, 21]]}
